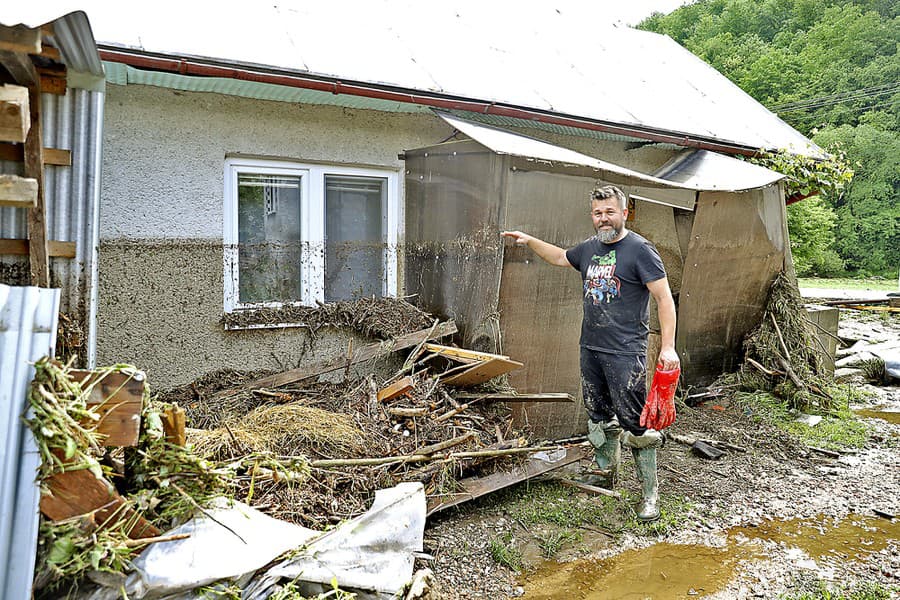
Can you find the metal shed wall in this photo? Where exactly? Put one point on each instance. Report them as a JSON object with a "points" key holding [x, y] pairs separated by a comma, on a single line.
{"points": [[28, 319], [720, 259], [74, 122]]}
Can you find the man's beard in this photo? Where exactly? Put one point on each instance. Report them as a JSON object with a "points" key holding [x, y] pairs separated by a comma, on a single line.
{"points": [[608, 235]]}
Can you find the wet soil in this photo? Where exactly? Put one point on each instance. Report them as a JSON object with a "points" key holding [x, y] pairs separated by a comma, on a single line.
{"points": [[776, 519]]}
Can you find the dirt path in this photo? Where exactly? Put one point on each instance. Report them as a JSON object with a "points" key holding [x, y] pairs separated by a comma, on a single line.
{"points": [[776, 519]]}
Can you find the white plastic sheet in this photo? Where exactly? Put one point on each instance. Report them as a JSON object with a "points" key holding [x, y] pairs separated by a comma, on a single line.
{"points": [[372, 554]]}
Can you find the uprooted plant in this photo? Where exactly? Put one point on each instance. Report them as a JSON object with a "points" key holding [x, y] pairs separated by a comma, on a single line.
{"points": [[161, 484]]}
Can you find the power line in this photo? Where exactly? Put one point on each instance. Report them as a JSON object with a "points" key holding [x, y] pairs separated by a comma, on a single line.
{"points": [[831, 99]]}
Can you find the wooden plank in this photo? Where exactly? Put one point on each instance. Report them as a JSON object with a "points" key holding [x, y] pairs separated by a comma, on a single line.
{"points": [[57, 157], [118, 397], [53, 83], [474, 487], [15, 118], [20, 67], [37, 215], [52, 156], [550, 397], [342, 362], [51, 53], [19, 192], [395, 389], [20, 38], [481, 372], [461, 352], [79, 492], [55, 248]]}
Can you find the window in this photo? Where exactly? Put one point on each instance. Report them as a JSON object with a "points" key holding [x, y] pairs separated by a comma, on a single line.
{"points": [[301, 234]]}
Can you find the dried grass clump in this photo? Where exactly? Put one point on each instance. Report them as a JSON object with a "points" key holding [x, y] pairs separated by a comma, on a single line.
{"points": [[284, 429], [373, 317]]}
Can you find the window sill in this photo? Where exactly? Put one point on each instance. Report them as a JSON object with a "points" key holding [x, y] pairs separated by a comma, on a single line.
{"points": [[248, 327]]}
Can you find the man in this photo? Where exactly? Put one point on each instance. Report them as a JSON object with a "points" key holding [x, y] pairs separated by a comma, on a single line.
{"points": [[620, 270]]}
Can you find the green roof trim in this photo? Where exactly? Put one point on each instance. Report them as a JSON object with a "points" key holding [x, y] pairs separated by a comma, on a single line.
{"points": [[120, 74]]}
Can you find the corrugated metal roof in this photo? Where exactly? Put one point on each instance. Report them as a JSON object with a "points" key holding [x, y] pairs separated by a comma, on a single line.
{"points": [[543, 56], [28, 319], [695, 170], [70, 33]]}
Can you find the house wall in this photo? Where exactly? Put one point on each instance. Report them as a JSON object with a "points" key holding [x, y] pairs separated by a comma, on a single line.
{"points": [[161, 227]]}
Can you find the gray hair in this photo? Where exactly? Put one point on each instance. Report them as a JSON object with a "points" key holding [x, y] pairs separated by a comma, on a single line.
{"points": [[606, 192]]}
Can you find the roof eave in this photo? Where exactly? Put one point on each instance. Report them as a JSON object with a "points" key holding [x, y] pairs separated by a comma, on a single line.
{"points": [[207, 67]]}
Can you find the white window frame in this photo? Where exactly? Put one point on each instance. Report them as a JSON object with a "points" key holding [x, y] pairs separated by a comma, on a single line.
{"points": [[312, 225]]}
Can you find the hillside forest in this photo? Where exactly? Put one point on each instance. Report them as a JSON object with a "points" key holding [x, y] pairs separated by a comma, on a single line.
{"points": [[831, 69]]}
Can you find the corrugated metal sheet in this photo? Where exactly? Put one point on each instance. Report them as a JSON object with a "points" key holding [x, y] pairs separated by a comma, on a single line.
{"points": [[28, 320], [502, 121], [73, 36], [72, 196], [694, 170]]}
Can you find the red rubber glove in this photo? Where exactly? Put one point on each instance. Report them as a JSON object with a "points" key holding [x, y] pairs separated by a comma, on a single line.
{"points": [[651, 408], [660, 406]]}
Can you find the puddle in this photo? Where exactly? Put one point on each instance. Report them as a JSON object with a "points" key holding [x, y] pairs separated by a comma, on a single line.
{"points": [[677, 571], [885, 415]]}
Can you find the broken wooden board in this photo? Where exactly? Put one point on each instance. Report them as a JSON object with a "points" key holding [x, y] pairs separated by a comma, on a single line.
{"points": [[461, 354], [397, 388], [15, 116], [549, 397], [19, 192], [475, 487], [482, 371], [173, 419], [118, 397], [79, 492], [342, 362]]}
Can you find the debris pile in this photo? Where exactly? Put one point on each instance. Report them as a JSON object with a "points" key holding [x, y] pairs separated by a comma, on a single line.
{"points": [[119, 470], [360, 436], [783, 355]]}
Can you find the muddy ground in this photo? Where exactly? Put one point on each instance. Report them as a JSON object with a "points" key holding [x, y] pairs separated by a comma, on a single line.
{"points": [[711, 509]]}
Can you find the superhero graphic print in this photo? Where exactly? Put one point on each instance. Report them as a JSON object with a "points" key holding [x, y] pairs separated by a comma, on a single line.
{"points": [[600, 282]]}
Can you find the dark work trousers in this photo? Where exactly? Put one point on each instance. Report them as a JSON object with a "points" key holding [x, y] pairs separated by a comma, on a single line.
{"points": [[614, 385]]}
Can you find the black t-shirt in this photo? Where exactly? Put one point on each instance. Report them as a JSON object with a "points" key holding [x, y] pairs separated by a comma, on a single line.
{"points": [[616, 298]]}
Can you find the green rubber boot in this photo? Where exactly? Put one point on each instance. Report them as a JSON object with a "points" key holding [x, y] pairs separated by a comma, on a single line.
{"points": [[645, 464], [605, 438], [643, 448]]}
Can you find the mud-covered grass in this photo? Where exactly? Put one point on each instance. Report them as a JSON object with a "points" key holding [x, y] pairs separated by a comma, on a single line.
{"points": [[556, 518], [839, 429]]}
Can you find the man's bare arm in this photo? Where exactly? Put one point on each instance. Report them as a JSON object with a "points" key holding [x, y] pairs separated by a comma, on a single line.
{"points": [[550, 253], [666, 307]]}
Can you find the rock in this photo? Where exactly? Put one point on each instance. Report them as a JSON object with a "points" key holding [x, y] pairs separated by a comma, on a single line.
{"points": [[809, 420]]}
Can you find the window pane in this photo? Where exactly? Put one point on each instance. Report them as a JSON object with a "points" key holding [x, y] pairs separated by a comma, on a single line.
{"points": [[354, 234], [269, 249]]}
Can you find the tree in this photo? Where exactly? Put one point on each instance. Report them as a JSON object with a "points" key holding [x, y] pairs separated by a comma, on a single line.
{"points": [[831, 69]]}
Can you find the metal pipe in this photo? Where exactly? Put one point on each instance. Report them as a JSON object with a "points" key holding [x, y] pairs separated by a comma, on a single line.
{"points": [[210, 68]]}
